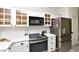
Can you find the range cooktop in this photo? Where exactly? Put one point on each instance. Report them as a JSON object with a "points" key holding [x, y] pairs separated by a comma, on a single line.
{"points": [[37, 36]]}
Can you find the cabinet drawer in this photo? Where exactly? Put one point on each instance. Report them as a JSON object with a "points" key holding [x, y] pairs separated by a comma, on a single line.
{"points": [[52, 38], [51, 48], [51, 42]]}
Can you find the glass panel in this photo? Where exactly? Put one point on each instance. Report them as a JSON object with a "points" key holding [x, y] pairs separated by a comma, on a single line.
{"points": [[7, 22], [18, 22], [49, 23], [7, 11], [18, 17], [1, 21], [1, 15], [1, 10], [24, 17], [45, 15], [48, 19], [45, 22], [23, 14], [24, 22], [45, 19], [48, 15], [7, 16]]}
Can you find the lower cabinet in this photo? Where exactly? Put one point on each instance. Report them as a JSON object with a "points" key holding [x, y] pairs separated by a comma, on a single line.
{"points": [[19, 47], [51, 44]]}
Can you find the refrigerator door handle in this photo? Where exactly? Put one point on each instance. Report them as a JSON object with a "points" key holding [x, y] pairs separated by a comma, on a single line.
{"points": [[71, 32]]}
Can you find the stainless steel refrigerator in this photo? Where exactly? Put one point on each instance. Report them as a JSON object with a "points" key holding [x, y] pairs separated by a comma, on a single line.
{"points": [[62, 28]]}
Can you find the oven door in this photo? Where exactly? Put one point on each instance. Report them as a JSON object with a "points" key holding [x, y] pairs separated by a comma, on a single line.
{"points": [[38, 46]]}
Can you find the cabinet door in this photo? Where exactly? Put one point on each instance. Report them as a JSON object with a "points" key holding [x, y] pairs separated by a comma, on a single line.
{"points": [[51, 49], [51, 44], [21, 18], [5, 16], [47, 20]]}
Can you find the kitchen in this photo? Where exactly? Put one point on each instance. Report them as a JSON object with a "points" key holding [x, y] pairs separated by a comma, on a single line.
{"points": [[17, 31]]}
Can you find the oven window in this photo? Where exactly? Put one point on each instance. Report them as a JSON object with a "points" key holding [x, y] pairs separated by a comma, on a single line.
{"points": [[38, 47]]}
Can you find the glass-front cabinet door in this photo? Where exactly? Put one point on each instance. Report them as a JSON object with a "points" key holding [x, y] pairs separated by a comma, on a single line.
{"points": [[21, 18], [5, 17], [47, 20], [12, 17]]}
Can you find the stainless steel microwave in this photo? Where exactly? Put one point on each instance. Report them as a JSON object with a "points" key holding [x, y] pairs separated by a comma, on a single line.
{"points": [[35, 21]]}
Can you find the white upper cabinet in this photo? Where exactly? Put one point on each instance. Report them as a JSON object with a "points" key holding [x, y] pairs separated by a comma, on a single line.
{"points": [[47, 19], [5, 17], [21, 17]]}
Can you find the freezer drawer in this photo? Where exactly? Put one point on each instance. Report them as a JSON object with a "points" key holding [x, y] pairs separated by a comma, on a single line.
{"points": [[65, 46]]}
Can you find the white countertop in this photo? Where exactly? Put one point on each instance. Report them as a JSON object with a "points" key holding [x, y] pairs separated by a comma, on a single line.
{"points": [[50, 34], [4, 45]]}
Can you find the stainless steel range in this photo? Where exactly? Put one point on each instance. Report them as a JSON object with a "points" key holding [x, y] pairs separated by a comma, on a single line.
{"points": [[38, 42]]}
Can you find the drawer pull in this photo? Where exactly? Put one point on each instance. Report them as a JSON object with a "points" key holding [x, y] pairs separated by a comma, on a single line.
{"points": [[21, 43], [27, 46], [51, 42], [51, 38], [51, 48]]}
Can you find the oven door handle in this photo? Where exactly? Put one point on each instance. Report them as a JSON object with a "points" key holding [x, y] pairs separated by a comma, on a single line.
{"points": [[36, 41]]}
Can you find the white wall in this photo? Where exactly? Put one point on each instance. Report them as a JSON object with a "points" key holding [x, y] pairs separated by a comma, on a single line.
{"points": [[74, 30], [73, 13], [78, 24], [17, 33], [64, 11]]}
